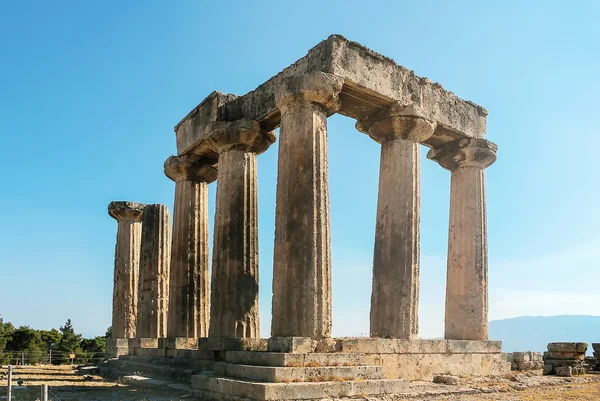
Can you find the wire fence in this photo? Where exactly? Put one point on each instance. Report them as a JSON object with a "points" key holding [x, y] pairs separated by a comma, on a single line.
{"points": [[23, 358]]}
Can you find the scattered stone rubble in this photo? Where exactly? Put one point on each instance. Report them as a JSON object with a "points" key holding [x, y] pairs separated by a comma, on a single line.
{"points": [[596, 358], [565, 359], [527, 360]]}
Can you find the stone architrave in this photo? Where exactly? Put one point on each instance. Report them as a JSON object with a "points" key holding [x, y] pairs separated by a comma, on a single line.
{"points": [[234, 282], [395, 293], [127, 260], [302, 256], [467, 279], [189, 274], [155, 255]]}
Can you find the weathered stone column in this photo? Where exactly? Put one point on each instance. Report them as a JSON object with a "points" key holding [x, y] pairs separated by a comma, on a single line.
{"points": [[155, 255], [467, 280], [234, 284], [395, 293], [189, 274], [127, 261], [302, 259]]}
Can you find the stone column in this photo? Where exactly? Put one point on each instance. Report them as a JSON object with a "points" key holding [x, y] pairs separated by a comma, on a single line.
{"points": [[395, 293], [234, 284], [155, 255], [302, 258], [189, 274], [127, 260], [467, 281]]}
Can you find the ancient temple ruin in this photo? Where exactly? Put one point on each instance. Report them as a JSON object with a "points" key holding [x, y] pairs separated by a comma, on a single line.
{"points": [[171, 313]]}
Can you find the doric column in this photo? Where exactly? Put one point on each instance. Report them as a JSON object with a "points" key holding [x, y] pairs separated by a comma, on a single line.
{"points": [[302, 259], [234, 284], [155, 255], [127, 261], [395, 293], [467, 280], [189, 276]]}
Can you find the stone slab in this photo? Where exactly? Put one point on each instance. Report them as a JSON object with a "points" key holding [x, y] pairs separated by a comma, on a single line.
{"points": [[292, 344], [580, 356], [232, 344], [371, 82], [298, 359], [297, 391], [181, 343], [190, 354], [143, 342], [392, 346], [297, 374], [567, 347], [150, 352], [596, 347]]}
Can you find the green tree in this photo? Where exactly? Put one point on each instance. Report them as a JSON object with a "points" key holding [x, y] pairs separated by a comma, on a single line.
{"points": [[70, 342], [108, 334], [29, 341], [51, 338], [6, 330]]}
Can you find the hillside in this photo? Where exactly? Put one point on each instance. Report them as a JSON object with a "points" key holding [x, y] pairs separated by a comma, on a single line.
{"points": [[533, 333]]}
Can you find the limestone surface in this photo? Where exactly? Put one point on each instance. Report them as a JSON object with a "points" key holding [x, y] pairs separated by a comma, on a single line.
{"points": [[127, 259], [370, 82], [155, 256], [189, 288], [302, 256], [466, 314]]}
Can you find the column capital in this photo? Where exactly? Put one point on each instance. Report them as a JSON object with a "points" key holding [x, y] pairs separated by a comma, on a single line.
{"points": [[466, 152], [396, 121], [245, 135], [190, 167], [126, 211], [318, 88]]}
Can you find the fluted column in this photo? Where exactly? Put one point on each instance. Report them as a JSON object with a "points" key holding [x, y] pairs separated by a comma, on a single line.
{"points": [[189, 274], [127, 260], [302, 257], [155, 255], [467, 280], [395, 292], [234, 284]]}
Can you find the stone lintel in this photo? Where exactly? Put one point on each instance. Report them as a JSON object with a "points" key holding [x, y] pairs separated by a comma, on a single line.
{"points": [[126, 211], [191, 168], [181, 343], [232, 344], [370, 82]]}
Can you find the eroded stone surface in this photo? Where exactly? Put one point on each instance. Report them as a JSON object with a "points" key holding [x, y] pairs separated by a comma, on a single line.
{"points": [[370, 82], [466, 314], [127, 259], [189, 286], [155, 256], [302, 257]]}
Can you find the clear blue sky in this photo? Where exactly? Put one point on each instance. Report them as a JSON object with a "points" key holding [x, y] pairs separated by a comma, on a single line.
{"points": [[90, 92]]}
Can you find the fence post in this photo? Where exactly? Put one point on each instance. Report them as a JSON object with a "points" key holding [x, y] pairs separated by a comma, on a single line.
{"points": [[22, 358], [50, 358], [9, 385], [44, 395]]}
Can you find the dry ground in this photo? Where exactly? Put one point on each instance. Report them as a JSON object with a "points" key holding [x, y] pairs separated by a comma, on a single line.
{"points": [[66, 385]]}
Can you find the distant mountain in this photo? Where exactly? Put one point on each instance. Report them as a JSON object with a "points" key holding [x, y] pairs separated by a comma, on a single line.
{"points": [[533, 333]]}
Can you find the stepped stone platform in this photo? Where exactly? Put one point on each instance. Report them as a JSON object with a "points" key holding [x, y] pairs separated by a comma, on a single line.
{"points": [[298, 368]]}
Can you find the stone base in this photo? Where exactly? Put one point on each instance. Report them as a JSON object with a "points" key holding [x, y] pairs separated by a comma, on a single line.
{"points": [[115, 347], [303, 369]]}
